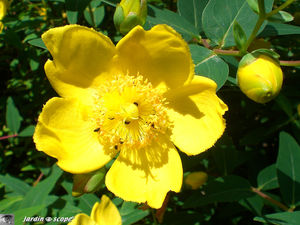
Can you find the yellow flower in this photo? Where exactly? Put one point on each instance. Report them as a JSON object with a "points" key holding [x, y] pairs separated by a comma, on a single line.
{"points": [[136, 100], [4, 4], [105, 213], [196, 179], [260, 78]]}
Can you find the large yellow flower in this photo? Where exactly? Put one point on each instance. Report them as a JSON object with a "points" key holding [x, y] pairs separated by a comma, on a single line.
{"points": [[105, 213], [136, 100]]}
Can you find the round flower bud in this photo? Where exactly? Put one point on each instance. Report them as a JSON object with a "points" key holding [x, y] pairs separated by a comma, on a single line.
{"points": [[130, 13], [259, 76], [195, 180], [87, 183]]}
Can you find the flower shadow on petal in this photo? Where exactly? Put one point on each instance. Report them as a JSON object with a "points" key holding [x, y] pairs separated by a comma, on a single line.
{"points": [[184, 105], [151, 157]]}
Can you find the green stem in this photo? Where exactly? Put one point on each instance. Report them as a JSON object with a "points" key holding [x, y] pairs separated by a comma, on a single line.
{"points": [[92, 15], [260, 21], [154, 217], [275, 11], [227, 52], [290, 63]]}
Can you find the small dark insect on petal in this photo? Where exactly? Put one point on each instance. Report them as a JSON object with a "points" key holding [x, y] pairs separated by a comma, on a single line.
{"points": [[97, 129], [111, 118], [127, 122], [136, 103], [116, 147]]}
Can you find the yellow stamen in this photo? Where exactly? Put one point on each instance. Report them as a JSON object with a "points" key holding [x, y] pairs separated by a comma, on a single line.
{"points": [[130, 113]]}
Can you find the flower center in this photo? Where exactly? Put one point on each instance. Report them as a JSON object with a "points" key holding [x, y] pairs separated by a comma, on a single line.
{"points": [[130, 113]]}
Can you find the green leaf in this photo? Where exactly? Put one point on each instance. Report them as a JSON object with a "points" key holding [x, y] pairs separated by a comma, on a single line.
{"points": [[86, 202], [131, 214], [219, 16], [288, 168], [284, 218], [13, 117], [73, 7], [38, 194], [27, 132], [28, 212], [192, 11], [180, 24], [275, 29], [239, 36], [6, 203], [98, 13], [281, 17], [254, 204], [226, 157], [15, 184], [37, 42], [253, 5], [267, 178], [208, 64], [227, 189]]}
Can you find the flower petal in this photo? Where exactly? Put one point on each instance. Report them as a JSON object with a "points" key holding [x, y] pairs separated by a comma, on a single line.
{"points": [[196, 112], [106, 213], [66, 132], [146, 174], [82, 58], [82, 219], [160, 55]]}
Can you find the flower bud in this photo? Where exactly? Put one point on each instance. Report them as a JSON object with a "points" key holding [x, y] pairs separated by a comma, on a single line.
{"points": [[87, 183], [259, 76], [195, 180], [130, 13]]}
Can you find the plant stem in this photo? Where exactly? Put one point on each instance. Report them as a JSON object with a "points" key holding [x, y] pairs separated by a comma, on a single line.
{"points": [[275, 11], [154, 217], [8, 136], [92, 15], [268, 198], [289, 63], [38, 179], [227, 52], [260, 21]]}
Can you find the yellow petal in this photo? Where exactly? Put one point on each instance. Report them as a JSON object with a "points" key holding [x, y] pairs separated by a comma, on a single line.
{"points": [[160, 55], [82, 58], [146, 175], [66, 132], [82, 219], [196, 112], [106, 213]]}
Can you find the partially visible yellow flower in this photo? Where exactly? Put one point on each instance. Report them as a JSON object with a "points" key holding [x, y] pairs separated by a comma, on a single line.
{"points": [[260, 78], [136, 100], [105, 213], [4, 4], [196, 179]]}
